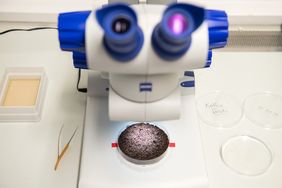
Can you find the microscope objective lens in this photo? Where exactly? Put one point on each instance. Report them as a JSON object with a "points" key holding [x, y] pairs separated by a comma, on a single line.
{"points": [[121, 25]]}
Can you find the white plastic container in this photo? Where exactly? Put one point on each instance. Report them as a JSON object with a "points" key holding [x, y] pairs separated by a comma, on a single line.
{"points": [[22, 94]]}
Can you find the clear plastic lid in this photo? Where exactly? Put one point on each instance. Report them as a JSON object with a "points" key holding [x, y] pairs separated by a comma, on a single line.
{"points": [[265, 110], [219, 110], [246, 155]]}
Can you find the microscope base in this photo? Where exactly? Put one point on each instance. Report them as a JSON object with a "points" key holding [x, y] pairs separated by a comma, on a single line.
{"points": [[102, 166]]}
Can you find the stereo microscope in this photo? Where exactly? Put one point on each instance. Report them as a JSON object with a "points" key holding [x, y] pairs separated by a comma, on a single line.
{"points": [[141, 59]]}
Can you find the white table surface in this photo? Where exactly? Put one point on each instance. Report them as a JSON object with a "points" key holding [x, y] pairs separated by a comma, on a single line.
{"points": [[240, 75], [28, 151]]}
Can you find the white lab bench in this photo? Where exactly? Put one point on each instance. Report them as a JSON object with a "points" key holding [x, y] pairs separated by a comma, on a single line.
{"points": [[241, 75], [28, 151]]}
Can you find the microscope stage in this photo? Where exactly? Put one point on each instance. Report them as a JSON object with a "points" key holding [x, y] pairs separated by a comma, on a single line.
{"points": [[102, 166]]}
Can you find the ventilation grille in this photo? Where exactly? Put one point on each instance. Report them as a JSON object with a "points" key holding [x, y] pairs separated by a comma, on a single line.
{"points": [[254, 41]]}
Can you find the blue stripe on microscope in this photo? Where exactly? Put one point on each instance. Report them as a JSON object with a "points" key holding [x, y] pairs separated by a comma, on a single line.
{"points": [[188, 84], [209, 59], [145, 87]]}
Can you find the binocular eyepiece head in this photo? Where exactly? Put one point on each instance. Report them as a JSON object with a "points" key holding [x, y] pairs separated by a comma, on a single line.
{"points": [[122, 38], [171, 38]]}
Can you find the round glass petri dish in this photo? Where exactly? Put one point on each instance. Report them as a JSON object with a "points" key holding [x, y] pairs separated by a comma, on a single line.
{"points": [[143, 143], [246, 155], [219, 110], [265, 110]]}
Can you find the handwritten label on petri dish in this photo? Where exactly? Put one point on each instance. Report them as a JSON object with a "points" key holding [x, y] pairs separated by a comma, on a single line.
{"points": [[219, 110], [269, 111], [265, 110], [216, 109]]}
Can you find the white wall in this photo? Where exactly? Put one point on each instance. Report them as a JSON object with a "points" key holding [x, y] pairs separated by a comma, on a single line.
{"points": [[240, 11], [42, 10]]}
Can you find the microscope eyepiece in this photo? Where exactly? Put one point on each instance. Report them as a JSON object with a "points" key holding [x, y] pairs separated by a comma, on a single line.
{"points": [[177, 23], [121, 25], [172, 36], [123, 38]]}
